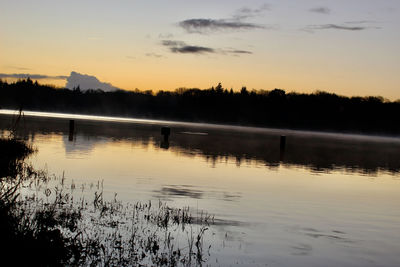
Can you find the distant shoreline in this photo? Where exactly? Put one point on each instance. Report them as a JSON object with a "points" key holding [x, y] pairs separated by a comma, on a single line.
{"points": [[276, 109], [240, 128]]}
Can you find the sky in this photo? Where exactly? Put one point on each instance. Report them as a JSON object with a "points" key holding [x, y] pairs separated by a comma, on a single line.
{"points": [[348, 47]]}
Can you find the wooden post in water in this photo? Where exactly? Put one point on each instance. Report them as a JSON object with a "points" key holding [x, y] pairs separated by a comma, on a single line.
{"points": [[165, 131], [283, 142], [71, 130], [282, 148]]}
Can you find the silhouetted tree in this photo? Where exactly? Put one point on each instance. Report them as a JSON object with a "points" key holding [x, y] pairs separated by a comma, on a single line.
{"points": [[276, 108], [243, 91]]}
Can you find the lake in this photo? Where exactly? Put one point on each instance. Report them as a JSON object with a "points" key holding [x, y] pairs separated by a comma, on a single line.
{"points": [[323, 199]]}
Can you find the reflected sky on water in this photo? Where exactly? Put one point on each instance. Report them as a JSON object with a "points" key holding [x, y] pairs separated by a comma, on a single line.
{"points": [[324, 199]]}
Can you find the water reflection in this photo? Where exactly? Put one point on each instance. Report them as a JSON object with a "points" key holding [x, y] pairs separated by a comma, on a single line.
{"points": [[81, 145], [164, 144], [317, 153], [287, 217], [189, 191], [180, 191]]}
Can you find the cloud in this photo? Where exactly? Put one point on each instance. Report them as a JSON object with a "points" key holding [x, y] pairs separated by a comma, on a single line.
{"points": [[235, 23], [239, 52], [32, 76], [87, 82], [17, 68], [246, 12], [192, 49], [212, 25], [172, 43], [165, 35], [311, 28], [337, 27], [154, 55], [360, 22], [182, 47], [73, 80], [321, 10]]}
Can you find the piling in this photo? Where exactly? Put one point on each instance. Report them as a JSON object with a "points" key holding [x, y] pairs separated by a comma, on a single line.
{"points": [[71, 130], [283, 142], [282, 148], [165, 131]]}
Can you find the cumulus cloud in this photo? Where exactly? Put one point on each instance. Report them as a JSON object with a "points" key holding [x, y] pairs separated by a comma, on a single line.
{"points": [[321, 10], [32, 76], [85, 82]]}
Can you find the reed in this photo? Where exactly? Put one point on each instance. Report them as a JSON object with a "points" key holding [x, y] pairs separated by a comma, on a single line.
{"points": [[46, 222]]}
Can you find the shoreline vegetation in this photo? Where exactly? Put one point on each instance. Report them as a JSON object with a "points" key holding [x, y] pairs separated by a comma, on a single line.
{"points": [[43, 222], [320, 111]]}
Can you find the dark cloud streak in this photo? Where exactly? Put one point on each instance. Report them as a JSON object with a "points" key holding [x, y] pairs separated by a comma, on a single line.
{"points": [[191, 49], [210, 25], [240, 52], [183, 48], [32, 76], [335, 27]]}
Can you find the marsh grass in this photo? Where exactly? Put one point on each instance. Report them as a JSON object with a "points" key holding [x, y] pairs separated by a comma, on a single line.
{"points": [[47, 222], [12, 155]]}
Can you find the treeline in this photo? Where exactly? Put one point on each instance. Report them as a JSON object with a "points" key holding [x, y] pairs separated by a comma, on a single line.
{"points": [[276, 108]]}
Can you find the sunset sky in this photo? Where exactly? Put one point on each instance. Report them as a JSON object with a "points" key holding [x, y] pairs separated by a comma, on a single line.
{"points": [[349, 47]]}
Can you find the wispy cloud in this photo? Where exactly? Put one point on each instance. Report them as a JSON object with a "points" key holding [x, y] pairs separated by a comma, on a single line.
{"points": [[241, 52], [347, 27], [165, 35], [235, 23], [238, 52], [320, 10], [154, 55], [17, 68], [361, 22], [32, 76], [192, 49], [247, 12], [337, 27], [212, 25], [183, 48]]}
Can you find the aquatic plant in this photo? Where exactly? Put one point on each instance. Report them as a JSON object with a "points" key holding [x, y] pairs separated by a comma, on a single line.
{"points": [[44, 222]]}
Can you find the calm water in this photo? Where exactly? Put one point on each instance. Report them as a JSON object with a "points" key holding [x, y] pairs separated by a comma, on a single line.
{"points": [[325, 200]]}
